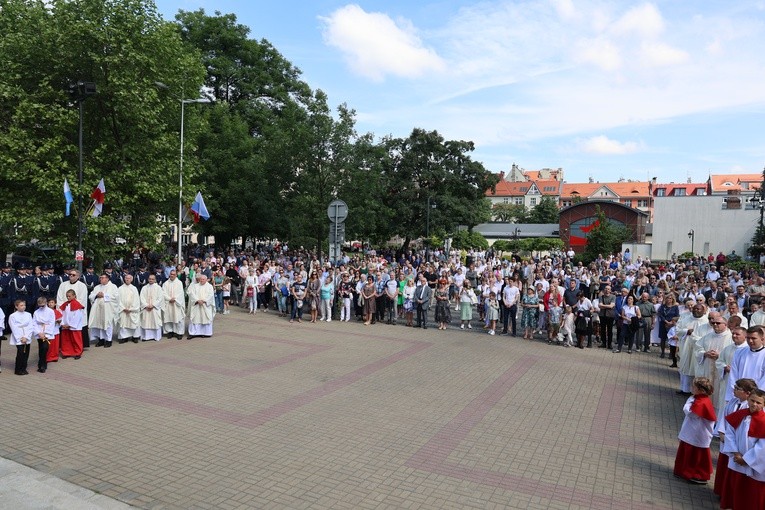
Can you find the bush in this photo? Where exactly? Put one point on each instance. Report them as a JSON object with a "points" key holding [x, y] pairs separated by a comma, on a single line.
{"points": [[742, 265], [687, 255]]}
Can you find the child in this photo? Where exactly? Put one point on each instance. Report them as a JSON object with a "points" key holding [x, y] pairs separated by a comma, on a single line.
{"points": [[73, 317], [23, 329], [741, 392], [672, 342], [492, 312], [46, 331], [569, 320], [554, 317], [744, 485], [467, 299], [694, 459], [226, 295], [53, 348]]}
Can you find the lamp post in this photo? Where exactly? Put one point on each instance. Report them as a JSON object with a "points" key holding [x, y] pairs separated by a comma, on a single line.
{"points": [[692, 235], [427, 229], [183, 102], [80, 91]]}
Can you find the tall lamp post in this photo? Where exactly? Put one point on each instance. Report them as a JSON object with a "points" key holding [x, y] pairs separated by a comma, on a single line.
{"points": [[427, 229], [80, 91], [692, 235], [183, 102]]}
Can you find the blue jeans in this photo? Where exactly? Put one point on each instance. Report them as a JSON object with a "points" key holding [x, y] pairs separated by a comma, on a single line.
{"points": [[219, 300]]}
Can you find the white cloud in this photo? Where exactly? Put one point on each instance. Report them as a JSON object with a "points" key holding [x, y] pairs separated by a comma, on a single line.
{"points": [[656, 54], [604, 145], [565, 8], [375, 45], [599, 52], [644, 20]]}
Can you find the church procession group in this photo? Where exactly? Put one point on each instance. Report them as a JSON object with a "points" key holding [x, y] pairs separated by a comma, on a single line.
{"points": [[710, 319], [64, 314]]}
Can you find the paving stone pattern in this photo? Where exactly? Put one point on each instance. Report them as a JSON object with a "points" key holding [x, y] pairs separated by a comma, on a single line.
{"points": [[268, 414]]}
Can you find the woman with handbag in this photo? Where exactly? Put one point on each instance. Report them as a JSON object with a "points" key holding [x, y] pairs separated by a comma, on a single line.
{"points": [[467, 300]]}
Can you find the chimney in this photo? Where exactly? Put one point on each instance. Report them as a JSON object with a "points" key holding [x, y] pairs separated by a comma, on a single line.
{"points": [[502, 175]]}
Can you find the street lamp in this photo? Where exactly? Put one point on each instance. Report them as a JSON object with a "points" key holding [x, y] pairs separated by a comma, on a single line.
{"points": [[80, 91], [427, 229], [692, 235], [183, 102]]}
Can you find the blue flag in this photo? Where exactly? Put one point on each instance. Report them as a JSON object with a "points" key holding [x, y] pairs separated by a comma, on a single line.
{"points": [[198, 207], [67, 196]]}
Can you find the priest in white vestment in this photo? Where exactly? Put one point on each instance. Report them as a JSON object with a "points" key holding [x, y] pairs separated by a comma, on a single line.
{"points": [[749, 363], [174, 309], [201, 308], [724, 365], [690, 328], [707, 352], [103, 299], [129, 307], [758, 316], [152, 301]]}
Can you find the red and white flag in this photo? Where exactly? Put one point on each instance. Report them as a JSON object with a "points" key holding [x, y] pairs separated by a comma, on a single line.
{"points": [[98, 198]]}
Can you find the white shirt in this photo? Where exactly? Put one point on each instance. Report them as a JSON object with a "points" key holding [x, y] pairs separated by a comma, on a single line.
{"points": [[510, 295]]}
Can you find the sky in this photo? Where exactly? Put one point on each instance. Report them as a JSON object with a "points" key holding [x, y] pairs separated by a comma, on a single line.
{"points": [[603, 89]]}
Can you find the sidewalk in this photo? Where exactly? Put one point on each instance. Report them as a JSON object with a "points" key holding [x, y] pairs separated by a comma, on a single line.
{"points": [[23, 488], [268, 414]]}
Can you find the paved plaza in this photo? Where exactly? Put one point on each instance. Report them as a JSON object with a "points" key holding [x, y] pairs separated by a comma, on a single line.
{"points": [[268, 414]]}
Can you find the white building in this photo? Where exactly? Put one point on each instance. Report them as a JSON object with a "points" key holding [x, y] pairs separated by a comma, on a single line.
{"points": [[719, 224]]}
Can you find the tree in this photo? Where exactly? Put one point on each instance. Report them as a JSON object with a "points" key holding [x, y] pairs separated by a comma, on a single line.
{"points": [[123, 47], [605, 238], [424, 166], [510, 213], [546, 211], [465, 240], [253, 150]]}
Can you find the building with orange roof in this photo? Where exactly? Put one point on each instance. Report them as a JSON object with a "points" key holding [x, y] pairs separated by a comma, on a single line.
{"points": [[734, 184], [635, 194], [527, 193], [688, 189]]}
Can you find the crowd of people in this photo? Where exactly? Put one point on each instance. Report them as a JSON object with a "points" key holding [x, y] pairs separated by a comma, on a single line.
{"points": [[705, 319]]}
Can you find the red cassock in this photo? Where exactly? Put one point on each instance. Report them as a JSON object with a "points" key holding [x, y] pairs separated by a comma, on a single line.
{"points": [[694, 462], [71, 340], [739, 491], [54, 344]]}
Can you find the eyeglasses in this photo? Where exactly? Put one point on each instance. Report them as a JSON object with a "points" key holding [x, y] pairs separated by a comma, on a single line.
{"points": [[716, 323]]}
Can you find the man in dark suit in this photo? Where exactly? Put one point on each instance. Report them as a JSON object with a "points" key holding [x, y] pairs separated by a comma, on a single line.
{"points": [[422, 296]]}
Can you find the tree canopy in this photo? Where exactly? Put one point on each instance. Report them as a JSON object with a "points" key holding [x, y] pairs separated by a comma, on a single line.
{"points": [[269, 154]]}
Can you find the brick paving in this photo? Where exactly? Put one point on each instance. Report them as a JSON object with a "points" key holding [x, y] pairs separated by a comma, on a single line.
{"points": [[268, 414]]}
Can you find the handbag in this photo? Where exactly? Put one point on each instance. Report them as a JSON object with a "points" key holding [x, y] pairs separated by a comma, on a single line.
{"points": [[250, 292], [285, 291]]}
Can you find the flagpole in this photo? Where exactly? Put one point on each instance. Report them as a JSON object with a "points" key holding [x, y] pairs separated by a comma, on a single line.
{"points": [[180, 193]]}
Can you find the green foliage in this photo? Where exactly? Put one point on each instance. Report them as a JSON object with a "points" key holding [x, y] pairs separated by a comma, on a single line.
{"points": [[743, 265], [502, 245], [123, 47], [543, 244], [510, 213], [605, 238], [464, 239], [546, 211], [424, 166], [687, 255]]}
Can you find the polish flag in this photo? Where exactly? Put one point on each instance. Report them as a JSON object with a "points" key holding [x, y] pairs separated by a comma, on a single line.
{"points": [[98, 198]]}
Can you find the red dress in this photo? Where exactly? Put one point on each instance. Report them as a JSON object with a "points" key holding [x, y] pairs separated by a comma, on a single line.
{"points": [[695, 462], [739, 491], [71, 339], [54, 344]]}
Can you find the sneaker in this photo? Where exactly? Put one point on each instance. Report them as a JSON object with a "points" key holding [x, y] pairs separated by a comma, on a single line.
{"points": [[491, 332], [470, 326], [462, 326], [329, 320]]}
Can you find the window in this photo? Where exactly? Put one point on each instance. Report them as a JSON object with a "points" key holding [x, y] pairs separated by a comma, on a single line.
{"points": [[524, 189], [518, 200], [505, 200], [701, 192], [661, 192], [680, 192], [642, 203], [628, 203], [533, 202]]}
